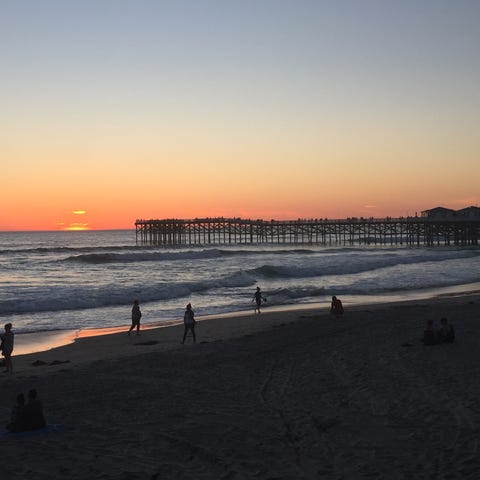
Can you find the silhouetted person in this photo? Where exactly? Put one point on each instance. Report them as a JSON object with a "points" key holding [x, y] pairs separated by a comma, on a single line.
{"points": [[257, 298], [446, 332], [336, 306], [32, 415], [189, 323], [7, 347], [136, 316], [429, 334], [17, 413]]}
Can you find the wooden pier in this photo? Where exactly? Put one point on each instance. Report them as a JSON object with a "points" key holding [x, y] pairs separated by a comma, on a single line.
{"points": [[411, 231]]}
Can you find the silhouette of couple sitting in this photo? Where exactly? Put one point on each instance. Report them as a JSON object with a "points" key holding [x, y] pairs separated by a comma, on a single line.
{"points": [[445, 334], [27, 416]]}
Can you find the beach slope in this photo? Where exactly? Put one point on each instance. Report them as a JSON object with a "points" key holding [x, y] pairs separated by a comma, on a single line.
{"points": [[291, 395]]}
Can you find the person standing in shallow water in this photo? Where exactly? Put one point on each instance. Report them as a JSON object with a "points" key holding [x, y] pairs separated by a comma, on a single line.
{"points": [[189, 322], [7, 339], [136, 316], [257, 298]]}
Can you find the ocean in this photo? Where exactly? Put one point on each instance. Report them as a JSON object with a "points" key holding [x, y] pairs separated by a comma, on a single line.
{"points": [[59, 281]]}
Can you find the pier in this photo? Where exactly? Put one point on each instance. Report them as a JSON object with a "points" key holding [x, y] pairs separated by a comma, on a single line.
{"points": [[410, 231]]}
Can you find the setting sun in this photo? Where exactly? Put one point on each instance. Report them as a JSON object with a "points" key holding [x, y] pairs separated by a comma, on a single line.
{"points": [[72, 224], [77, 226]]}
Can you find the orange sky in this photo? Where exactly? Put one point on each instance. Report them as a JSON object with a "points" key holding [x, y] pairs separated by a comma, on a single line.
{"points": [[305, 110]]}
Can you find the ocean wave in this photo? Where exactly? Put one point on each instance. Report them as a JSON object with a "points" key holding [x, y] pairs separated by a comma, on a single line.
{"points": [[362, 257], [55, 298], [285, 296], [353, 264], [170, 252], [64, 249], [78, 297], [156, 256], [147, 255]]}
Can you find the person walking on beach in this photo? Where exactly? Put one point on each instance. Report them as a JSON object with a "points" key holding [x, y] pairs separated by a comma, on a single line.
{"points": [[7, 347], [258, 298], [136, 316], [189, 323]]}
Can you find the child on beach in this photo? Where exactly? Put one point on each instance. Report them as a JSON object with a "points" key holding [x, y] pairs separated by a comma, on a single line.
{"points": [[136, 316], [189, 322], [257, 298], [6, 347]]}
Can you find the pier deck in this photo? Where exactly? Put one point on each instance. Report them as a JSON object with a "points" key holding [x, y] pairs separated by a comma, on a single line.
{"points": [[217, 231]]}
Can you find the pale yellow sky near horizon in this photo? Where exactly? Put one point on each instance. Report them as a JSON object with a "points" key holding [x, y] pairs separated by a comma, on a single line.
{"points": [[272, 109]]}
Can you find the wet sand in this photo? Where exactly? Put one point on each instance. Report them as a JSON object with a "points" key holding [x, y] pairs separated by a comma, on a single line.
{"points": [[297, 394]]}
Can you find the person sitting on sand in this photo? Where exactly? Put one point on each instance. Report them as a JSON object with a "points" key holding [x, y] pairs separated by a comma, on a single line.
{"points": [[446, 333], [336, 307], [189, 322], [32, 417], [6, 347], [17, 412], [429, 334]]}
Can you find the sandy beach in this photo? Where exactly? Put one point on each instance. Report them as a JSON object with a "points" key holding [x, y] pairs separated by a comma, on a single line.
{"points": [[297, 394]]}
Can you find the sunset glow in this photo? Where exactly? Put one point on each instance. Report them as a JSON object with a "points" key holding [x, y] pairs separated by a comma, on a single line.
{"points": [[305, 109], [77, 226]]}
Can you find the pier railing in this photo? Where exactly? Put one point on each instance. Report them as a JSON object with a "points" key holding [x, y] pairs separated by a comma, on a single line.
{"points": [[389, 231]]}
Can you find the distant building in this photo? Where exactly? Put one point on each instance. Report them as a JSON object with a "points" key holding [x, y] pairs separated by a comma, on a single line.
{"points": [[439, 213], [469, 212], [442, 213]]}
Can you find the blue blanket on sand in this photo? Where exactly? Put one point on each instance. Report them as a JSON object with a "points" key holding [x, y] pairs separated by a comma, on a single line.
{"points": [[6, 435]]}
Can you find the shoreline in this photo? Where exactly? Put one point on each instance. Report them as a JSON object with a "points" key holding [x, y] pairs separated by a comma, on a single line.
{"points": [[93, 345], [37, 342]]}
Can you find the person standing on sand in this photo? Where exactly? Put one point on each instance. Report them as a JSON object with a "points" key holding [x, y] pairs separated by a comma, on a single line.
{"points": [[189, 322], [7, 347], [136, 316], [257, 298]]}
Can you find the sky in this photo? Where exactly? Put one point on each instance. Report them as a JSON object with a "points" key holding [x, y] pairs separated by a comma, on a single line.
{"points": [[117, 110]]}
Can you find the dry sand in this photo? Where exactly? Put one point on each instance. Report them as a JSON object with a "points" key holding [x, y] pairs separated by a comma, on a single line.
{"points": [[291, 395]]}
